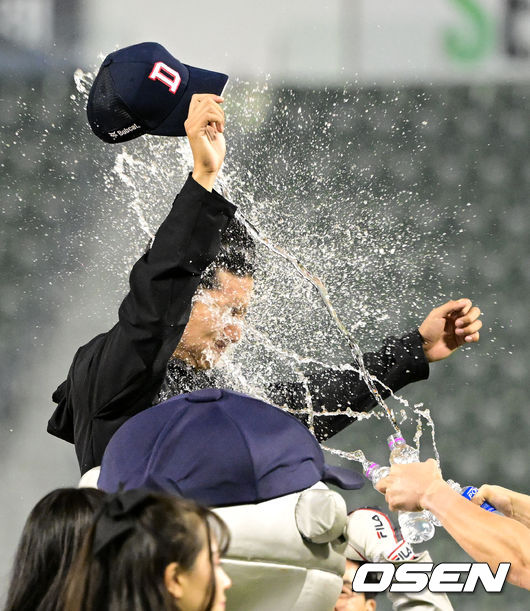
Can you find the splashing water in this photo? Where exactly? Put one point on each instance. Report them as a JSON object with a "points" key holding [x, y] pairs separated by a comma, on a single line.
{"points": [[356, 455], [119, 168], [151, 169], [83, 81], [426, 414], [319, 285]]}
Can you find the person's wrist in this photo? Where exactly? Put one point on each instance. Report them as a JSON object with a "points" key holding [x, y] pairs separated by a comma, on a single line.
{"points": [[432, 493], [205, 178], [425, 343]]}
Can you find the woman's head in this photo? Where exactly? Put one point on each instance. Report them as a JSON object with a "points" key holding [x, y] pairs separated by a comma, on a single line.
{"points": [[206, 575], [52, 535], [150, 551]]}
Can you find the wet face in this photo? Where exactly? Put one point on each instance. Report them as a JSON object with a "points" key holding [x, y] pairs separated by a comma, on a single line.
{"points": [[216, 320], [352, 601]]}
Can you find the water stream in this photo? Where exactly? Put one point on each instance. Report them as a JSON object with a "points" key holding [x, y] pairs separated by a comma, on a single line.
{"points": [[317, 283], [128, 166], [357, 354]]}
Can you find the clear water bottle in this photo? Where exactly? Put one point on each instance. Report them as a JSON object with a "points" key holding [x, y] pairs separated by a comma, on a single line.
{"points": [[469, 492], [400, 451], [416, 526], [432, 517], [374, 472]]}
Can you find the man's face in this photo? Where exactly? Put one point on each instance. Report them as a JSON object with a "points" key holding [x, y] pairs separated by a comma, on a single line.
{"points": [[352, 601], [216, 320]]}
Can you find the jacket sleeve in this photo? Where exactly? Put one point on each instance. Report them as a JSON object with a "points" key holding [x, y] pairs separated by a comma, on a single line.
{"points": [[399, 362], [152, 317], [118, 373]]}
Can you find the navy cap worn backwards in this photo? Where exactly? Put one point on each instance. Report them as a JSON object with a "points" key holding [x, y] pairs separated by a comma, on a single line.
{"points": [[220, 448], [143, 89]]}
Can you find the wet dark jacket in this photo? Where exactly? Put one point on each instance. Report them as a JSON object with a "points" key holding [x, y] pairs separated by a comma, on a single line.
{"points": [[121, 372]]}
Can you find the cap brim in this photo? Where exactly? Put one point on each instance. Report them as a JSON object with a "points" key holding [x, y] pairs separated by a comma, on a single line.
{"points": [[200, 81], [343, 478]]}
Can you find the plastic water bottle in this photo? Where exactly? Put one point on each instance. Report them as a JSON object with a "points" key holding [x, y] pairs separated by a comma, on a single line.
{"points": [[469, 492], [416, 526], [400, 451], [374, 472]]}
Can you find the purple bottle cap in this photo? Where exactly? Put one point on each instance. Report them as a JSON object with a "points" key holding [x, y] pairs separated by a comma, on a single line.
{"points": [[370, 469], [395, 439]]}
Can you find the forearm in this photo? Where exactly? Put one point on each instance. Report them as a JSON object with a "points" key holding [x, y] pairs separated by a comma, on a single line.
{"points": [[154, 314], [399, 362], [520, 504], [205, 179], [485, 536], [164, 280]]}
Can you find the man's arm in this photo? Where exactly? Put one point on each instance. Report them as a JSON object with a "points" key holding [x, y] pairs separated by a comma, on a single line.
{"points": [[448, 327], [485, 536], [512, 504], [399, 362], [118, 373]]}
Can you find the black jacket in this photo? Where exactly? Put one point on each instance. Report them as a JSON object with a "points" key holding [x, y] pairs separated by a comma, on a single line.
{"points": [[121, 372]]}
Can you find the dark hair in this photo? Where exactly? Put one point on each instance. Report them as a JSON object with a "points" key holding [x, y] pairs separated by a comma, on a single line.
{"points": [[127, 569], [237, 254], [52, 535]]}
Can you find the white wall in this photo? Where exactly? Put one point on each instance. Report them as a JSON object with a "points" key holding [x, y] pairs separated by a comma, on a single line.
{"points": [[315, 41], [295, 38]]}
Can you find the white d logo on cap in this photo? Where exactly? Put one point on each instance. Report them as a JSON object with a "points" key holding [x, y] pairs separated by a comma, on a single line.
{"points": [[161, 71]]}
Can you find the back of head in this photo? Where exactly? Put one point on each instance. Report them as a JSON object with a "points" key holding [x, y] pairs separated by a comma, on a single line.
{"points": [[52, 535], [125, 554], [237, 254]]}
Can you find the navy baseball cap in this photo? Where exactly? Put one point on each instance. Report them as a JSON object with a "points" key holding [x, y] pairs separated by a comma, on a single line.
{"points": [[143, 89], [219, 448]]}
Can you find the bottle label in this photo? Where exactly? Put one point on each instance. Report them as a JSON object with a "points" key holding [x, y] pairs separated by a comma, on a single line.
{"points": [[470, 491]]}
